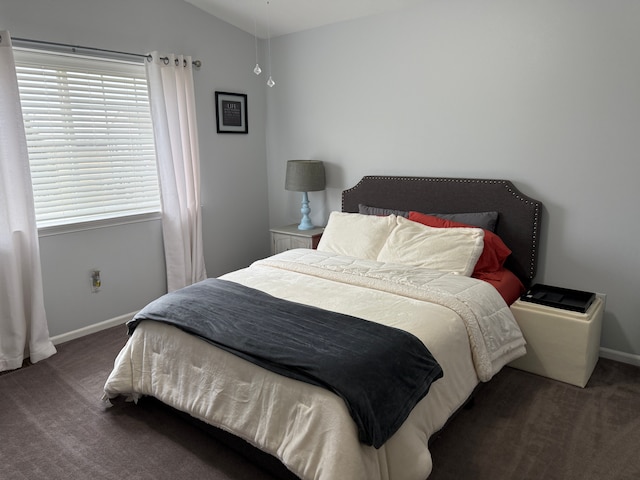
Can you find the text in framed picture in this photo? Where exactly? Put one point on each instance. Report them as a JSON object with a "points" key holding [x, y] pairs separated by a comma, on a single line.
{"points": [[231, 112]]}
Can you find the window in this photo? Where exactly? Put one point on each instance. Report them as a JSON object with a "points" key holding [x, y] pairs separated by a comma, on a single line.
{"points": [[89, 137]]}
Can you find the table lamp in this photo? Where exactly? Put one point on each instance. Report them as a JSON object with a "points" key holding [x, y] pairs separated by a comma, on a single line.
{"points": [[305, 176]]}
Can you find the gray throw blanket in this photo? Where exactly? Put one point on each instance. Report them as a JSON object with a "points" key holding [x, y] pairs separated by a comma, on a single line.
{"points": [[380, 372]]}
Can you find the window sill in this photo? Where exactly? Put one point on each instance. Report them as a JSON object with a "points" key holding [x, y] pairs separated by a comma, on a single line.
{"points": [[96, 224]]}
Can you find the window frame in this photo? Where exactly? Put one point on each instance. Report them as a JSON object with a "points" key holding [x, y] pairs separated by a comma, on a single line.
{"points": [[68, 223]]}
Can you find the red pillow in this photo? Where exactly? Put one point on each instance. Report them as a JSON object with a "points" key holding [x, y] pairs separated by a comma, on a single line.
{"points": [[505, 281], [493, 255]]}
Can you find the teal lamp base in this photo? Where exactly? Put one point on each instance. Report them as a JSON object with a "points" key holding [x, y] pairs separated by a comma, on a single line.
{"points": [[305, 223]]}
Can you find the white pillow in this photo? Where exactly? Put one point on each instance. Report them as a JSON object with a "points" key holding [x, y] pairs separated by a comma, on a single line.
{"points": [[447, 249], [356, 235]]}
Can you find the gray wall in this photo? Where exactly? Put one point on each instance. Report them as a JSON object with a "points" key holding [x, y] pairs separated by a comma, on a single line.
{"points": [[544, 93], [234, 189]]}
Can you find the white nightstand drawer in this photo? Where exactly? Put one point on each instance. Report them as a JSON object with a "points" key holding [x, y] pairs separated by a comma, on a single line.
{"points": [[561, 344], [289, 237]]}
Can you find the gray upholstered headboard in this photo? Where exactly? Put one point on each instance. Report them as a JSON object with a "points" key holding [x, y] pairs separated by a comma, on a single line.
{"points": [[518, 223]]}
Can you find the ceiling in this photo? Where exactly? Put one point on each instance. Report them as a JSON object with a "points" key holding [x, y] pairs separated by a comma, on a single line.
{"points": [[272, 18]]}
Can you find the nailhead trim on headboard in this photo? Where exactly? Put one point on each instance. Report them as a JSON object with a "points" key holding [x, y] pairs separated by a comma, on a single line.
{"points": [[534, 234]]}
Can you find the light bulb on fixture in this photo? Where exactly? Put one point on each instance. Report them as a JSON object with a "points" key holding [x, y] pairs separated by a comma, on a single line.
{"points": [[270, 82]]}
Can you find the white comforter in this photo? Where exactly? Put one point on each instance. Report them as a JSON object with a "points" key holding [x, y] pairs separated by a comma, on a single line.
{"points": [[464, 322]]}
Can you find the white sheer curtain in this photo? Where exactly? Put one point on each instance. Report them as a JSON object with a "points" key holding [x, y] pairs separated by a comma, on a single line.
{"points": [[173, 112], [23, 322]]}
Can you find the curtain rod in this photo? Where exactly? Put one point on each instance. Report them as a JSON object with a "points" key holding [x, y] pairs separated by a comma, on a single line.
{"points": [[195, 63]]}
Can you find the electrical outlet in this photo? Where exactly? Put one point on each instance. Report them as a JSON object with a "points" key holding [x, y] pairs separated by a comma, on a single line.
{"points": [[96, 281]]}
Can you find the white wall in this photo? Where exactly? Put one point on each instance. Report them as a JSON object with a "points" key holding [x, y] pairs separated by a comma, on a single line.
{"points": [[234, 189], [545, 93]]}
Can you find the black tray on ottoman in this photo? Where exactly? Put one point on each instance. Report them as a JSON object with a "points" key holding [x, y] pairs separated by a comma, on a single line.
{"points": [[574, 300]]}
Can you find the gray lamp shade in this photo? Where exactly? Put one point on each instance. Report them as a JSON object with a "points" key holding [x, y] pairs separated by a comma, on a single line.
{"points": [[305, 176]]}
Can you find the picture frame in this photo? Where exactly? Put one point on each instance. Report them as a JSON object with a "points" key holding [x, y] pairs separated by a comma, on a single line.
{"points": [[231, 112]]}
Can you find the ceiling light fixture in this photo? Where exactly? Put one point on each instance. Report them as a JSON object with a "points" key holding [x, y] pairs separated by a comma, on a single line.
{"points": [[270, 82], [257, 70]]}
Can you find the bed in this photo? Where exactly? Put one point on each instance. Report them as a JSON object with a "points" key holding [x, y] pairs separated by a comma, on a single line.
{"points": [[357, 272]]}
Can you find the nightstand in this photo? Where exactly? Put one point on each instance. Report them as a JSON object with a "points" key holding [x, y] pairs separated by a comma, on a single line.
{"points": [[561, 344], [289, 237]]}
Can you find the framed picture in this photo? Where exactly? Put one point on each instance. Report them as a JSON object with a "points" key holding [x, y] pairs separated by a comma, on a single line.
{"points": [[231, 112]]}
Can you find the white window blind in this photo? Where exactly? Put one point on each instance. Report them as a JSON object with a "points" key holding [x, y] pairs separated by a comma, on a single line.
{"points": [[89, 137]]}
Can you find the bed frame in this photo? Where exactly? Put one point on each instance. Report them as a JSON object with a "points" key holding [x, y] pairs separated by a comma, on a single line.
{"points": [[519, 215]]}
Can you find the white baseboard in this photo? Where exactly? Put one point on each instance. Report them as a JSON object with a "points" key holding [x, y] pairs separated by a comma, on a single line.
{"points": [[623, 357], [96, 327]]}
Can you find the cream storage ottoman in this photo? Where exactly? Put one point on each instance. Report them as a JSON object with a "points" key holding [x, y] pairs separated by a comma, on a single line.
{"points": [[561, 344]]}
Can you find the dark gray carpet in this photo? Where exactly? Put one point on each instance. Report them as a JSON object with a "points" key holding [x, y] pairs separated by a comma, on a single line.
{"points": [[53, 426], [523, 426]]}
